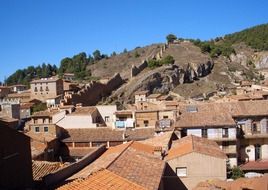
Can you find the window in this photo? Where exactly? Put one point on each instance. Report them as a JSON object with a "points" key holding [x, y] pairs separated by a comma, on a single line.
{"points": [[181, 171], [257, 151], [35, 89], [225, 133], [47, 88], [45, 129], [37, 129], [204, 133], [106, 118], [41, 89], [146, 123], [165, 117]]}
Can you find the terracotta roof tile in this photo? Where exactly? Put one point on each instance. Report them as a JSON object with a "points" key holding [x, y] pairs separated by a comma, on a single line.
{"points": [[139, 167], [255, 165], [87, 110], [193, 143], [103, 179], [43, 168], [161, 140], [220, 114], [106, 134], [133, 161]]}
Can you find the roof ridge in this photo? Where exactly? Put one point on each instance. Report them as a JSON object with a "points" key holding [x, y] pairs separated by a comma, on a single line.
{"points": [[131, 142]]}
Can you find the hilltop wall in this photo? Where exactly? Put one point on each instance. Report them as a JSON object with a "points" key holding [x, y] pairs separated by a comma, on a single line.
{"points": [[94, 92], [135, 70]]}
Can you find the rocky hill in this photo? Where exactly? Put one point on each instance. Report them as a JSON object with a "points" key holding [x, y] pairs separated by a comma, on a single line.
{"points": [[194, 73]]}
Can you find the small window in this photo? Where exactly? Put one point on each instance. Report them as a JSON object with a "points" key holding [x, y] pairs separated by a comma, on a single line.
{"points": [[248, 150], [146, 123], [106, 118], [165, 117], [204, 133], [45, 129], [37, 129], [181, 171]]}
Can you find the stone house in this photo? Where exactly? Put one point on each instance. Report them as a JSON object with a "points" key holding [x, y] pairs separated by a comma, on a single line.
{"points": [[46, 88], [44, 122], [212, 122], [195, 159], [241, 125], [149, 118], [141, 96]]}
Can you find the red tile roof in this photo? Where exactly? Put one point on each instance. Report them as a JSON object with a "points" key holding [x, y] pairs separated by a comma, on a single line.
{"points": [[255, 165], [133, 161], [220, 114], [103, 179], [139, 166], [106, 134], [43, 168], [193, 143], [88, 110]]}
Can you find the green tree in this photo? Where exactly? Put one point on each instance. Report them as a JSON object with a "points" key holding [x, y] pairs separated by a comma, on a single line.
{"points": [[97, 55], [237, 173], [170, 38]]}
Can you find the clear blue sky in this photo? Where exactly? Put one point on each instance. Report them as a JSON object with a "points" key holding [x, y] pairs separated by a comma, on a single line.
{"points": [[37, 31]]}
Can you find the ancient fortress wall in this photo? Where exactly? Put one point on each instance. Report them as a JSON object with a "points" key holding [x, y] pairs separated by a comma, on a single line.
{"points": [[95, 91], [135, 70]]}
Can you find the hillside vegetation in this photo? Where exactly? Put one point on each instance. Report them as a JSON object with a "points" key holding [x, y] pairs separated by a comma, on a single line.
{"points": [[255, 37]]}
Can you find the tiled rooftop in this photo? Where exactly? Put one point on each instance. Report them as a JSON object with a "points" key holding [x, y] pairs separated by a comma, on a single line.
{"points": [[133, 161], [255, 165], [193, 143], [43, 168], [103, 179], [84, 110], [139, 167], [106, 134], [161, 140], [220, 114]]}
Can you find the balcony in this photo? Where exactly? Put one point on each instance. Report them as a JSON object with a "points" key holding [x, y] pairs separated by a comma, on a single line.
{"points": [[125, 124]]}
